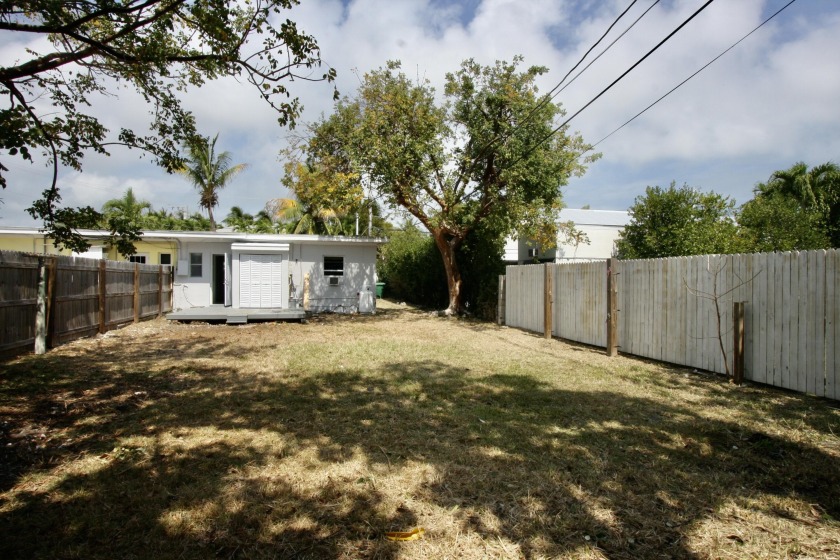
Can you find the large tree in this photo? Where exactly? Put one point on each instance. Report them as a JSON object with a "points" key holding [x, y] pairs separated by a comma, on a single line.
{"points": [[322, 197], [676, 222], [209, 172], [773, 221], [488, 154], [797, 208], [158, 48]]}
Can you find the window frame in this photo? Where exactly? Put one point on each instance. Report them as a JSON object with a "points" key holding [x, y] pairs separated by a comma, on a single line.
{"points": [[160, 259], [332, 270], [196, 268], [136, 256]]}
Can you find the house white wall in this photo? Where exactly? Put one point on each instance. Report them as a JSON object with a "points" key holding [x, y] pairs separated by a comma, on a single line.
{"points": [[196, 291], [359, 274], [298, 260], [602, 227]]}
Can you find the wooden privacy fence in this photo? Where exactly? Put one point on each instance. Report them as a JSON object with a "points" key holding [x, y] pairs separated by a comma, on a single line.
{"points": [[48, 300], [682, 310]]}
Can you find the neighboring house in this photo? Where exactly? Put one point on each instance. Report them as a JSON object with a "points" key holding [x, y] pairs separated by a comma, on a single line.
{"points": [[601, 227], [243, 270], [30, 240]]}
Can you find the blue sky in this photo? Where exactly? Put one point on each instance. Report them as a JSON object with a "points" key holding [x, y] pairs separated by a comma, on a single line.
{"points": [[772, 101]]}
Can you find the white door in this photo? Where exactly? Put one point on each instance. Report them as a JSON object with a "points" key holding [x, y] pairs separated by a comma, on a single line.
{"points": [[261, 281]]}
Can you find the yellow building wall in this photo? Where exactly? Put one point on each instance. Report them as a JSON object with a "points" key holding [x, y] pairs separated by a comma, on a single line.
{"points": [[30, 244], [152, 249]]}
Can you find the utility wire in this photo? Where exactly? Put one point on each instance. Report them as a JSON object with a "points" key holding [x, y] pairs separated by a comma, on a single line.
{"points": [[672, 90], [555, 91], [606, 89], [595, 44], [585, 68], [548, 97]]}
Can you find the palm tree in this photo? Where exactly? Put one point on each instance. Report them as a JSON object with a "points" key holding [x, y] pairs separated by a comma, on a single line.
{"points": [[264, 223], [129, 207], [239, 220], [209, 172], [817, 190], [303, 218]]}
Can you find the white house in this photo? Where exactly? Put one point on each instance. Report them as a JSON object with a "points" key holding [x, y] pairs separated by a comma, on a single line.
{"points": [[245, 271], [601, 227], [254, 271]]}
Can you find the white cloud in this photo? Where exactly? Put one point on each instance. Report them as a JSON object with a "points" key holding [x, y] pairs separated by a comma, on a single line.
{"points": [[768, 103]]}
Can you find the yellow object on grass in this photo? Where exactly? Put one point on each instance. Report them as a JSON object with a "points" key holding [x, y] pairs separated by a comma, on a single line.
{"points": [[405, 536]]}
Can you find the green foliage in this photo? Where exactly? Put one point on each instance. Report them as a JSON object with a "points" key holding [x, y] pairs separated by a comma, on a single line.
{"points": [[209, 172], [159, 48], [298, 217], [124, 218], [481, 258], [796, 209], [678, 222], [127, 207], [776, 222], [411, 268], [65, 222], [485, 155], [161, 220], [240, 220]]}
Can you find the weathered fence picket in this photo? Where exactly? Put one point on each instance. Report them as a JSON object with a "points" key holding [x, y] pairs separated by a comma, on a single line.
{"points": [[667, 311], [77, 300]]}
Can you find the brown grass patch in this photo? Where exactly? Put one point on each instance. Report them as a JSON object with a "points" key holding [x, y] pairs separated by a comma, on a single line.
{"points": [[311, 441]]}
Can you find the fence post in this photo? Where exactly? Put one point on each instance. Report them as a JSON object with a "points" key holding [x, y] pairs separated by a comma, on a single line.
{"points": [[103, 302], [500, 309], [136, 292], [41, 308], [612, 309], [160, 291], [738, 346], [548, 301]]}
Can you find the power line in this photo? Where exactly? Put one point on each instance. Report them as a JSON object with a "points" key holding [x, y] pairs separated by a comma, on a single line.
{"points": [[548, 97], [672, 90], [623, 33], [595, 44], [609, 87]]}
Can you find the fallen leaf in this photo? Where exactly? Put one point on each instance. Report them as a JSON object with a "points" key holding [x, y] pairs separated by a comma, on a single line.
{"points": [[412, 535]]}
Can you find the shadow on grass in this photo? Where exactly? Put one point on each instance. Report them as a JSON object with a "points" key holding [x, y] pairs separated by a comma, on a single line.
{"points": [[552, 470]]}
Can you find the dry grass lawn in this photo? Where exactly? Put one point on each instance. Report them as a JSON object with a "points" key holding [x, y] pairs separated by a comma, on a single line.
{"points": [[312, 441]]}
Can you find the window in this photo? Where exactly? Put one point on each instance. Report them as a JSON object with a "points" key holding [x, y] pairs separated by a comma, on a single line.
{"points": [[196, 260], [166, 258], [333, 266], [138, 258]]}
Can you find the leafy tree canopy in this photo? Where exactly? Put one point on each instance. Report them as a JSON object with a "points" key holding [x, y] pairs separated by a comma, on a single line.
{"points": [[486, 154], [678, 222], [777, 222], [123, 217], [161, 220], [158, 48], [240, 220], [796, 209]]}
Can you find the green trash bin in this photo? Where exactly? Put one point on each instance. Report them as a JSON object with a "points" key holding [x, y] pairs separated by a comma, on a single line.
{"points": [[380, 287]]}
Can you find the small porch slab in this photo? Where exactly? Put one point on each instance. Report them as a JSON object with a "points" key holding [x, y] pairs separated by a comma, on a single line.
{"points": [[233, 316]]}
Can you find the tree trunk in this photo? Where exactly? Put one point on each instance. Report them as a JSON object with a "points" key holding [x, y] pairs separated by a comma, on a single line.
{"points": [[447, 250], [212, 221]]}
